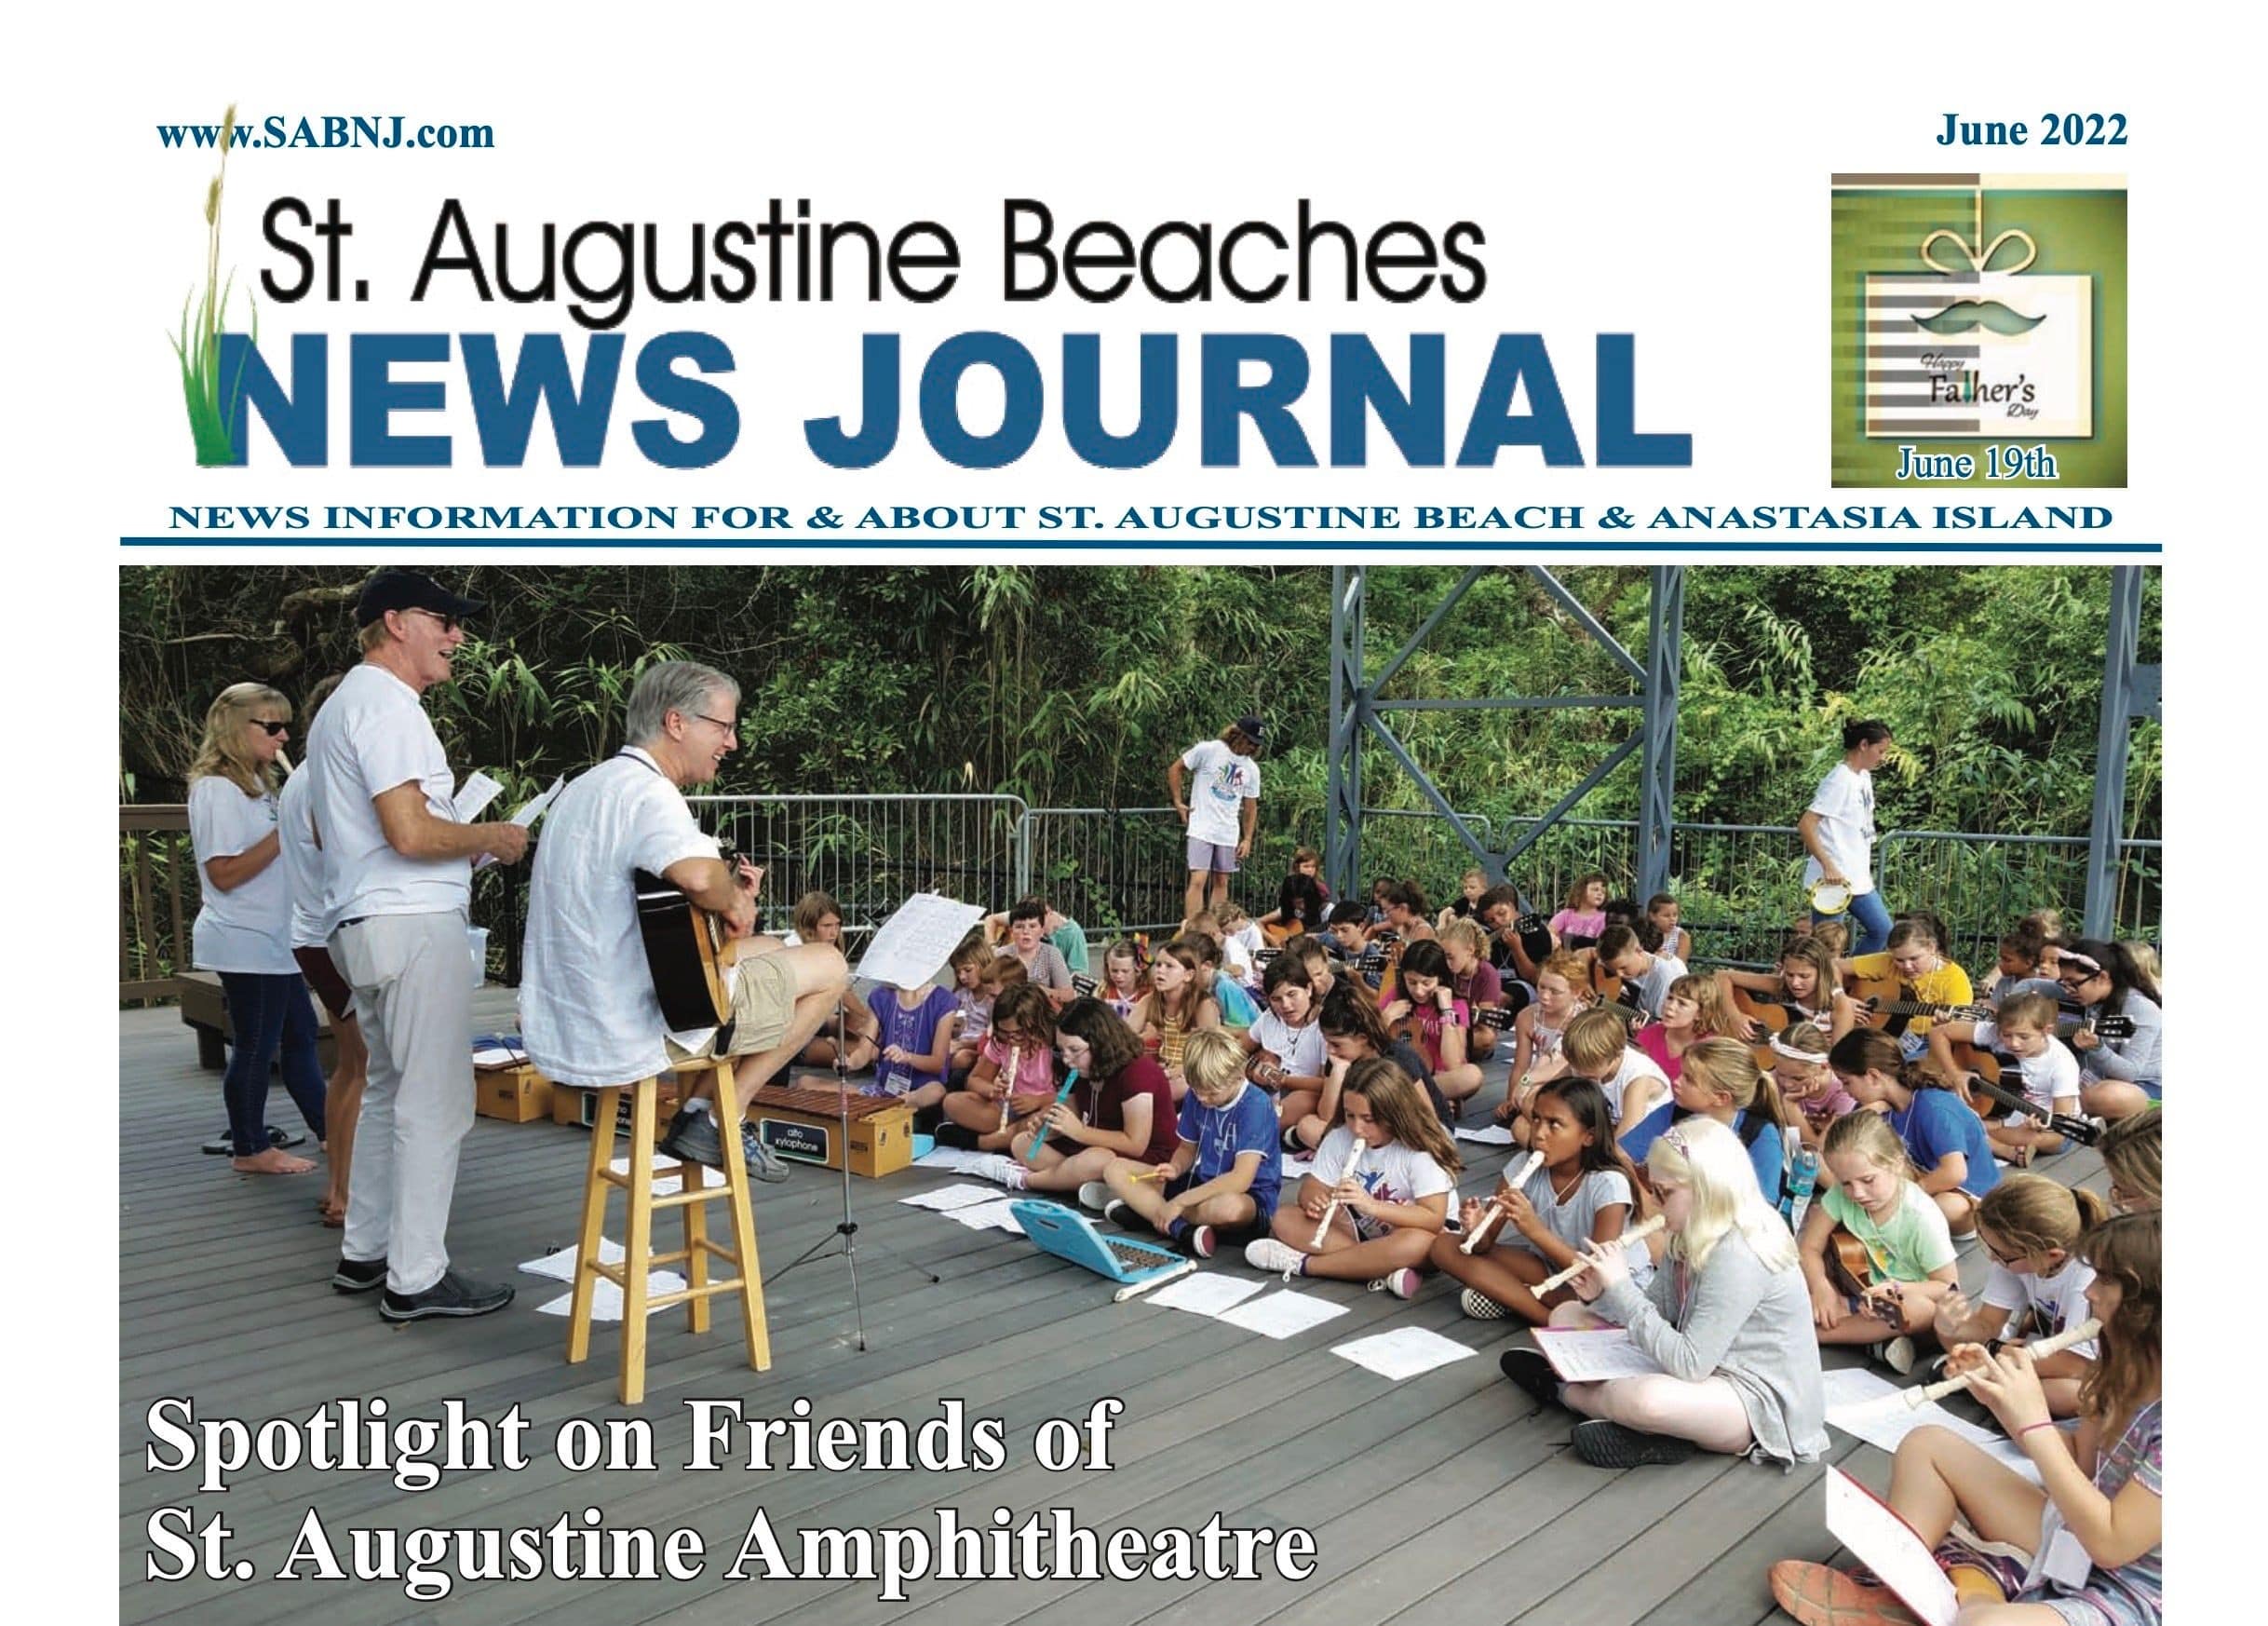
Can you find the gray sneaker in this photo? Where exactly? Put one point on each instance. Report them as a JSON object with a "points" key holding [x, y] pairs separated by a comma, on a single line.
{"points": [[692, 1136], [451, 1295], [761, 1161]]}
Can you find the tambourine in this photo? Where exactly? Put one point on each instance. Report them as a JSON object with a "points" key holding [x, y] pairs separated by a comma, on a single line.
{"points": [[1829, 897]]}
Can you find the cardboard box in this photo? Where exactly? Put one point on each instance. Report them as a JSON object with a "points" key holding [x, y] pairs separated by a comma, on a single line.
{"points": [[880, 1142], [578, 1106], [516, 1094]]}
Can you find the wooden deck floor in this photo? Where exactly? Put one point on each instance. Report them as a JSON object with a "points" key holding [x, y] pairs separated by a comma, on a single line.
{"points": [[1445, 1500]]}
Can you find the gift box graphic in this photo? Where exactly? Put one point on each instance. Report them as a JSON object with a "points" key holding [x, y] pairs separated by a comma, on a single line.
{"points": [[1961, 350]]}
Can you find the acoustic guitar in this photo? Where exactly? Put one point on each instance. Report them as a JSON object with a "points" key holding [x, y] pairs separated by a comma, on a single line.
{"points": [[683, 942]]}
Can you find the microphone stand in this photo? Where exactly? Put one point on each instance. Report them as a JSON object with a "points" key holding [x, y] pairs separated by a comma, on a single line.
{"points": [[847, 1229]]}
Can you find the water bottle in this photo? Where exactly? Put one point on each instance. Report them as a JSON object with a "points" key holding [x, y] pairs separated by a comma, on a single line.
{"points": [[1802, 1181]]}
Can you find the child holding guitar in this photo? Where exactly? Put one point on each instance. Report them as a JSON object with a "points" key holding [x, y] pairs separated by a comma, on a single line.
{"points": [[2025, 1029], [1909, 981], [2121, 1026], [1805, 987], [1909, 1251]]}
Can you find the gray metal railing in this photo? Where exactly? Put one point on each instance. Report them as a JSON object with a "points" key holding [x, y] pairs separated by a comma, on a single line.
{"points": [[870, 853], [1118, 870]]}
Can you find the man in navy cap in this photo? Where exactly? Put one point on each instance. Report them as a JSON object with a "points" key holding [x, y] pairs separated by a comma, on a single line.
{"points": [[1220, 809], [398, 879]]}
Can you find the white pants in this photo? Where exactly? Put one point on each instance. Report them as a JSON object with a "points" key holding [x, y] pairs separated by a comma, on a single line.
{"points": [[414, 997]]}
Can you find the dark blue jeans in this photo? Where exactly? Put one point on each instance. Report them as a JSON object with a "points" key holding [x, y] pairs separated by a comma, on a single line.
{"points": [[268, 1013]]}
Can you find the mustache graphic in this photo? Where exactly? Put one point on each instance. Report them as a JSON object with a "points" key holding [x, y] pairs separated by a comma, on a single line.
{"points": [[1965, 315]]}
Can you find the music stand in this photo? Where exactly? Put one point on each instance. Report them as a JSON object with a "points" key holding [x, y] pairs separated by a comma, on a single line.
{"points": [[902, 945]]}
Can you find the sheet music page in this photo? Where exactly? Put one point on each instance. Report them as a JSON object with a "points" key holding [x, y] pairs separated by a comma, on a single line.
{"points": [[1885, 1543]]}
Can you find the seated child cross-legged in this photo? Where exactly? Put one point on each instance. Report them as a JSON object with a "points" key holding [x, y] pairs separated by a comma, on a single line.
{"points": [[1120, 1107], [1431, 1017], [1284, 1045], [1945, 1141], [1014, 1068], [1909, 1247], [2084, 1542], [2030, 1226], [1585, 1191], [1726, 1317], [1385, 1210], [2024, 1027], [1221, 1180]]}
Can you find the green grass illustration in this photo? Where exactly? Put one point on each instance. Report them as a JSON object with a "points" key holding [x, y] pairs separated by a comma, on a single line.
{"points": [[197, 345]]}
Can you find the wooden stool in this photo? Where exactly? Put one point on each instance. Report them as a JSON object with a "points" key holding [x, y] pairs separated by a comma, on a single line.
{"points": [[639, 1257]]}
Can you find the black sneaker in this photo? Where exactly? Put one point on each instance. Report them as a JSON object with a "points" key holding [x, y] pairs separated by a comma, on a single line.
{"points": [[692, 1136], [451, 1295], [1119, 1211], [1534, 1375], [358, 1275], [960, 1137], [1605, 1444]]}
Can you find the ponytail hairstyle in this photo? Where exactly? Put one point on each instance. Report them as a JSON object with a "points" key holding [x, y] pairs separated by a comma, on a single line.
{"points": [[2095, 954], [1918, 928], [1708, 1159], [2133, 1157], [1586, 1103], [1350, 1012], [2126, 1249], [1834, 935], [1397, 1103], [1864, 1135], [2027, 1010], [1869, 1050], [1465, 935], [2027, 943], [1727, 1066], [2035, 1215], [1125, 948]]}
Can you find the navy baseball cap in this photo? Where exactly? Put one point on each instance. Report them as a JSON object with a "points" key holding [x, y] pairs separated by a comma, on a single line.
{"points": [[406, 589]]}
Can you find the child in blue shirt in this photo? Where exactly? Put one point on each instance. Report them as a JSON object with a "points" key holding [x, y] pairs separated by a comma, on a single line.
{"points": [[1223, 1180], [1729, 1086], [1946, 1140]]}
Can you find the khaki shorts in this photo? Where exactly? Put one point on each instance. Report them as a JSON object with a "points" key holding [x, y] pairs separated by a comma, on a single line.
{"points": [[763, 1004]]}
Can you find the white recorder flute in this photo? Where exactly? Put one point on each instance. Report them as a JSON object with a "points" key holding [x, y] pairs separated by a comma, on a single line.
{"points": [[1330, 1209], [1016, 1066], [1638, 1232], [1917, 1398], [1495, 1210]]}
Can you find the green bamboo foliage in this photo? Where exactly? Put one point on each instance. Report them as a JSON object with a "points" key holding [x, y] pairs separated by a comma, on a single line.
{"points": [[211, 402]]}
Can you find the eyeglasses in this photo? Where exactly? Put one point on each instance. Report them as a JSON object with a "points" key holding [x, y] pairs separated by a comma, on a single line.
{"points": [[268, 725], [2000, 1258], [715, 722], [449, 623]]}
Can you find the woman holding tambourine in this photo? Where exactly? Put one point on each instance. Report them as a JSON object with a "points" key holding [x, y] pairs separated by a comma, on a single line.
{"points": [[1838, 832]]}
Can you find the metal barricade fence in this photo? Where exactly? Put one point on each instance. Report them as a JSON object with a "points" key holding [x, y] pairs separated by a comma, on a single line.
{"points": [[872, 853], [1116, 869], [1125, 869], [1981, 886]]}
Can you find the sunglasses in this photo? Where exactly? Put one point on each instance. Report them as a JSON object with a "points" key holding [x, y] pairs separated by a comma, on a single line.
{"points": [[449, 623], [270, 728]]}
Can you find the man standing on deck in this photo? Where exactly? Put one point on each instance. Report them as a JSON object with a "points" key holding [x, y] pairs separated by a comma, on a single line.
{"points": [[1220, 808], [398, 881]]}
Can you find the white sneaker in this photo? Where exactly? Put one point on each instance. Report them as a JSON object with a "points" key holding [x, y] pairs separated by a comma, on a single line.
{"points": [[1898, 1354], [1000, 1167], [1275, 1257], [1095, 1195]]}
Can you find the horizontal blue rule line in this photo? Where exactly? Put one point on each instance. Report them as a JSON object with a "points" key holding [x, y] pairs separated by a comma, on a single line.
{"points": [[1211, 540]]}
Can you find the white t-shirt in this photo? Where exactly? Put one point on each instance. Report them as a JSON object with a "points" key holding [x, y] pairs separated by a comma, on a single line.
{"points": [[2049, 1077], [1299, 1049], [246, 930], [370, 737], [587, 1011], [302, 861], [2060, 1299], [1223, 780], [1636, 1065], [1390, 1173], [1844, 803], [1573, 1220], [1653, 988]]}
